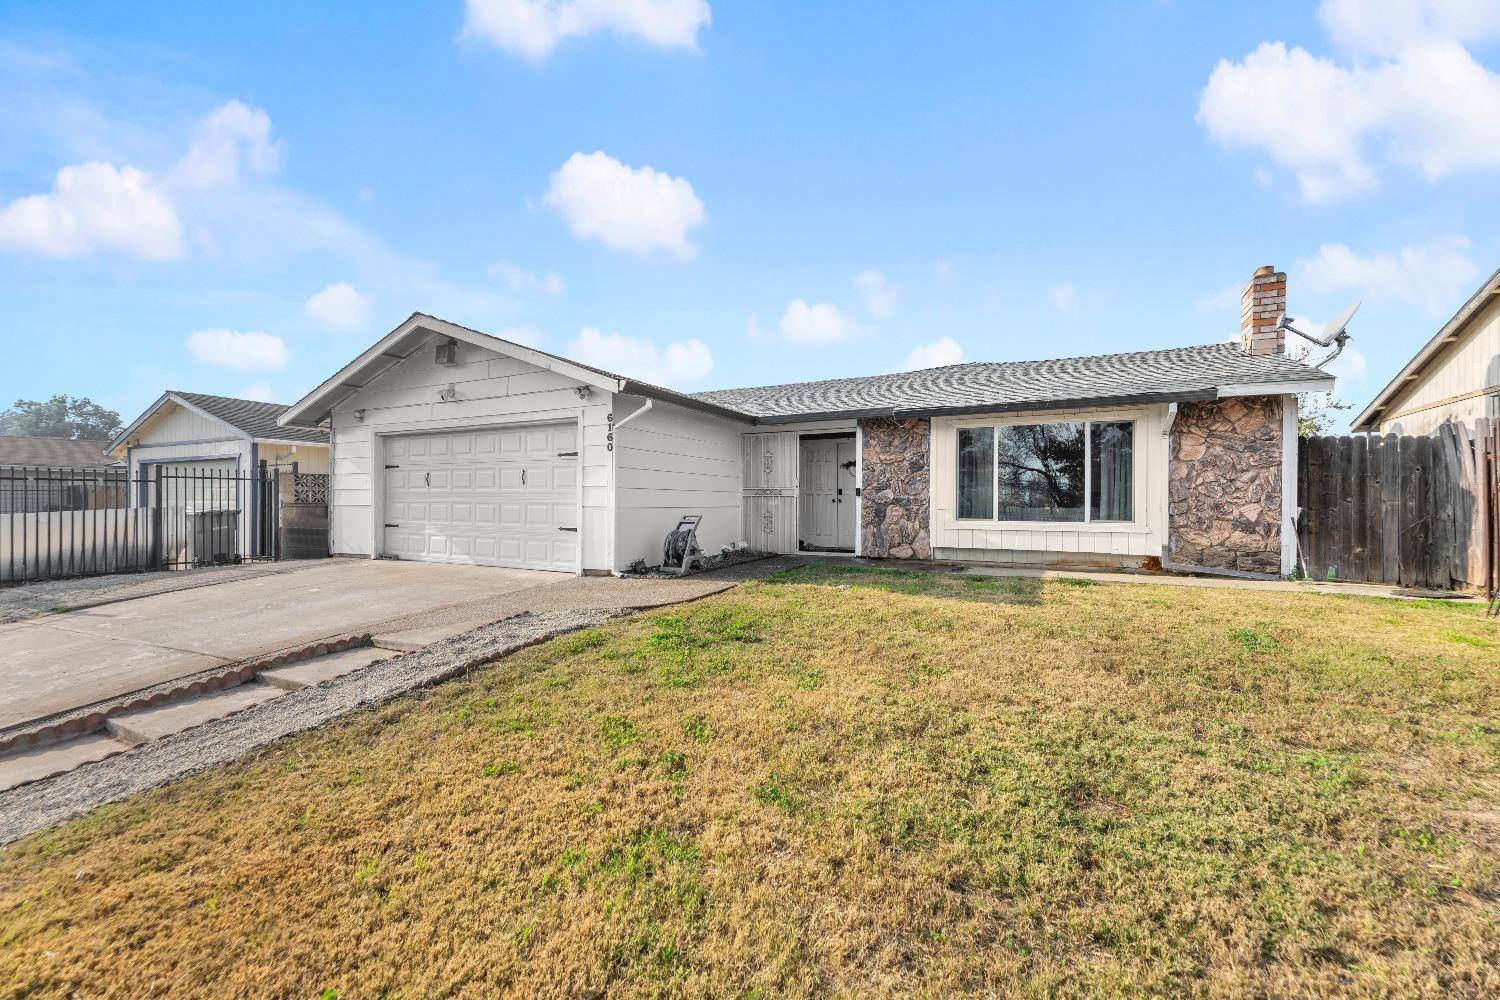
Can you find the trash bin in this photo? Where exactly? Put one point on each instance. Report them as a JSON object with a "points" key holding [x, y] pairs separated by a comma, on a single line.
{"points": [[213, 537]]}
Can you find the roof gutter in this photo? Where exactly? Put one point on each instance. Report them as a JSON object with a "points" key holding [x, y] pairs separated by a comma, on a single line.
{"points": [[910, 412], [631, 387]]}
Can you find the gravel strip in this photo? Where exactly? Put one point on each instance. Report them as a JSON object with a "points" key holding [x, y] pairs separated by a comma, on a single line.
{"points": [[37, 806], [27, 600]]}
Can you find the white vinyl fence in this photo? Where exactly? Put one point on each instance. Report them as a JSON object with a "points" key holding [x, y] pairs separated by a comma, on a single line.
{"points": [[61, 543]]}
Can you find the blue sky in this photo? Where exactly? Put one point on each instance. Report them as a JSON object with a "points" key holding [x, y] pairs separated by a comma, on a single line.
{"points": [[239, 198]]}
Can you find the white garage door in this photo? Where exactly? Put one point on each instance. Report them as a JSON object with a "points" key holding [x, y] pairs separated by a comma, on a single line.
{"points": [[497, 497]]}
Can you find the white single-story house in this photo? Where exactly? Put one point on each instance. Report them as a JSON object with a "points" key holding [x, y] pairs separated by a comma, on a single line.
{"points": [[448, 444], [208, 454], [1454, 378], [191, 432]]}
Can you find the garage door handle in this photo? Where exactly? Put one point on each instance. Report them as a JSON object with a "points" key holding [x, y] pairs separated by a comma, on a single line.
{"points": [[567, 454], [567, 529], [388, 525]]}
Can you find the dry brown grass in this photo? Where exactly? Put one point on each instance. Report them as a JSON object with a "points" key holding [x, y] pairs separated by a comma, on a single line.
{"points": [[837, 782]]}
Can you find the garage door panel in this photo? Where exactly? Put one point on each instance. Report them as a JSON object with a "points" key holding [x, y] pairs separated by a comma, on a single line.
{"points": [[499, 497]]}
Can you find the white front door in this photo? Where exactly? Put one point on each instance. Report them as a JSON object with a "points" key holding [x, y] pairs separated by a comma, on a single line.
{"points": [[827, 506], [505, 496]]}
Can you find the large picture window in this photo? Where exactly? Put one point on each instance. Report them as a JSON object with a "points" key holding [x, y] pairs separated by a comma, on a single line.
{"points": [[1062, 472]]}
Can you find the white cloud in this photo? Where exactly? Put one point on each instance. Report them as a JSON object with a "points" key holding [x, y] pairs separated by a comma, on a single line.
{"points": [[230, 140], [524, 335], [95, 206], [1435, 275], [1350, 365], [635, 209], [943, 269], [1412, 92], [1385, 27], [532, 28], [943, 351], [879, 298], [522, 280], [100, 206], [1222, 298], [240, 351], [339, 307], [261, 392], [814, 325], [1064, 299], [680, 363]]}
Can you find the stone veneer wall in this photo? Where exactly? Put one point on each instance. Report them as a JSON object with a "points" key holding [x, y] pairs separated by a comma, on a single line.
{"points": [[897, 464], [1224, 486]]}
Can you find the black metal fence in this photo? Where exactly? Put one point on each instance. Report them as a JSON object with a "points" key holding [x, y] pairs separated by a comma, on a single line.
{"points": [[60, 523]]}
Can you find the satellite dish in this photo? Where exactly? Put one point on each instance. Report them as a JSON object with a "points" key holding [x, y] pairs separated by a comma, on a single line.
{"points": [[1332, 331], [1335, 332]]}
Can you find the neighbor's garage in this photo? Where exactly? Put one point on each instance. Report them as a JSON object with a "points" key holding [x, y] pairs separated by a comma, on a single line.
{"points": [[504, 496]]}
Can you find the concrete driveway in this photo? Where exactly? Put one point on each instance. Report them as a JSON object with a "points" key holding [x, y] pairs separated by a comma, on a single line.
{"points": [[66, 661]]}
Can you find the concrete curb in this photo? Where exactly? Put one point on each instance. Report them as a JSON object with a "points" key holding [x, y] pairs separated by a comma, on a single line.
{"points": [[92, 718]]}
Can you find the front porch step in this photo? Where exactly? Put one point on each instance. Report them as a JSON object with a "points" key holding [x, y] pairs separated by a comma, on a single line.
{"points": [[395, 644], [174, 716], [306, 673], [26, 766]]}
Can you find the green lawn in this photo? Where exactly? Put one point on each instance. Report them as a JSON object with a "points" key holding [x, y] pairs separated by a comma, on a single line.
{"points": [[838, 781]]}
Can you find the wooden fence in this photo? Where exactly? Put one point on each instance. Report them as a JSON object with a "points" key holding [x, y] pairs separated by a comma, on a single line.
{"points": [[1413, 511]]}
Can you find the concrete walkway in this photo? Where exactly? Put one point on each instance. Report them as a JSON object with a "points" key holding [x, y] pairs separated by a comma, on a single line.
{"points": [[66, 661]]}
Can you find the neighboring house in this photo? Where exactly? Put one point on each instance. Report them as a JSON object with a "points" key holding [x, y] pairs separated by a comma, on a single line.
{"points": [[193, 433], [206, 452], [53, 474], [452, 445], [1454, 378], [54, 453]]}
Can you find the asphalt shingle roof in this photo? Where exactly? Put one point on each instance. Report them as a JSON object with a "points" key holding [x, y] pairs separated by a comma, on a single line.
{"points": [[1181, 372], [53, 453], [254, 418]]}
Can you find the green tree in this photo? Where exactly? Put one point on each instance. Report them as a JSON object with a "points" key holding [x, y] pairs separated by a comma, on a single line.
{"points": [[76, 417], [1317, 412]]}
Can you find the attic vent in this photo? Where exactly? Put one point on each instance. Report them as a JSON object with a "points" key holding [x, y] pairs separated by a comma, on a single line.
{"points": [[447, 353]]}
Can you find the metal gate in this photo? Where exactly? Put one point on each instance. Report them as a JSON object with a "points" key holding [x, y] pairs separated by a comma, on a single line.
{"points": [[770, 491]]}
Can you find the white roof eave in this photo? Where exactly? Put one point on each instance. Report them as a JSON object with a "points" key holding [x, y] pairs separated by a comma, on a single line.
{"points": [[314, 408]]}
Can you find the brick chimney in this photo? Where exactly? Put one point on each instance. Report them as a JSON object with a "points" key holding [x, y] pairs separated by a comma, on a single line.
{"points": [[1263, 302]]}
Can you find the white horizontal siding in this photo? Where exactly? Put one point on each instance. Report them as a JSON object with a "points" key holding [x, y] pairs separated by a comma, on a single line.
{"points": [[141, 459], [178, 424], [671, 461], [310, 458], [1468, 367], [1145, 536]]}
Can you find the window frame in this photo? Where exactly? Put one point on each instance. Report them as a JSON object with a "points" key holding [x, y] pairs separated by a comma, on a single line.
{"points": [[1088, 523]]}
